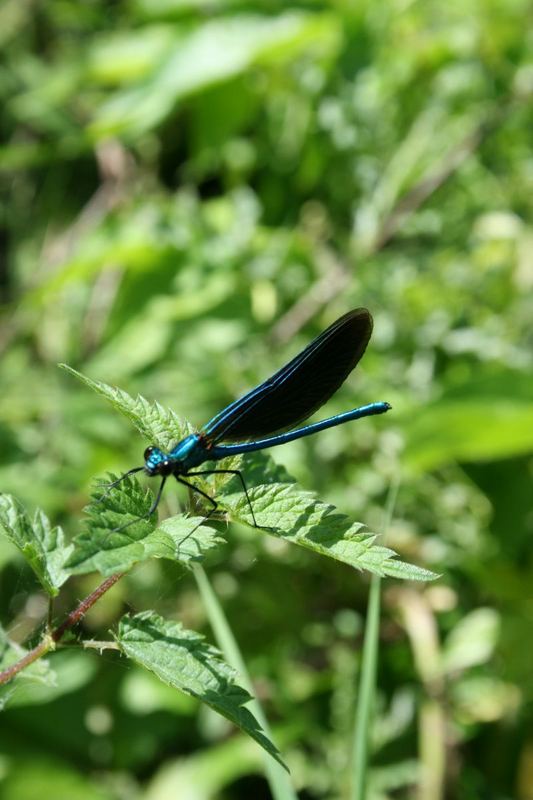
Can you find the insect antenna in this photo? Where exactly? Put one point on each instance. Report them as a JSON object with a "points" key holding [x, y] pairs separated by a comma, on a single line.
{"points": [[109, 486]]}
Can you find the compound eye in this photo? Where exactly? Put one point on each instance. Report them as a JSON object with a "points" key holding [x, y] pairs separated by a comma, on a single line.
{"points": [[166, 467], [148, 452]]}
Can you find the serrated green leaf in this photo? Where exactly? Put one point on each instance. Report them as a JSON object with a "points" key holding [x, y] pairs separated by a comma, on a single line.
{"points": [[182, 659], [158, 425], [41, 543], [298, 517], [103, 549], [37, 673]]}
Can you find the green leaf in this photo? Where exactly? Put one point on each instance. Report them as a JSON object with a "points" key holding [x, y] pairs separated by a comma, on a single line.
{"points": [[298, 517], [481, 429], [484, 698], [36, 673], [33, 775], [127, 56], [103, 549], [170, 9], [182, 659], [158, 425], [41, 543], [218, 51], [472, 641]]}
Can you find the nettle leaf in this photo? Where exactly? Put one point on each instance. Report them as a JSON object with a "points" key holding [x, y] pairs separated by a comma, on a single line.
{"points": [[158, 425], [38, 673], [182, 659], [104, 549], [41, 543], [298, 517]]}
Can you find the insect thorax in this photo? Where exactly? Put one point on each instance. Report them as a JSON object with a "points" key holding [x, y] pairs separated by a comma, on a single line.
{"points": [[188, 453]]}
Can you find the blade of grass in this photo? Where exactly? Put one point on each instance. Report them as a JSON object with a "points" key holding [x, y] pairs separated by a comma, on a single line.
{"points": [[278, 780], [369, 663]]}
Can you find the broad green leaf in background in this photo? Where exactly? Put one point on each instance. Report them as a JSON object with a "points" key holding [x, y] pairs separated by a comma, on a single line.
{"points": [[141, 240], [34, 777], [104, 549], [41, 543], [209, 772], [219, 50], [482, 698], [472, 641], [127, 56], [181, 658], [484, 419], [142, 342], [469, 430]]}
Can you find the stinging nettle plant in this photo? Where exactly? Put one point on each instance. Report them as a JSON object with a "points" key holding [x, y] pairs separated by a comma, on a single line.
{"points": [[179, 657]]}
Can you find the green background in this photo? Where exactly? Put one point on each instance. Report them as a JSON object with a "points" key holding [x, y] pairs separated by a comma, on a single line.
{"points": [[189, 192]]}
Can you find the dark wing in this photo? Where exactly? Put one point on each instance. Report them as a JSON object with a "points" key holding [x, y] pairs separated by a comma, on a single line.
{"points": [[299, 388]]}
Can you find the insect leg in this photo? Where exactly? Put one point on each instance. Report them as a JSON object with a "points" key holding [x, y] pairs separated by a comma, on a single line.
{"points": [[199, 491], [150, 511], [245, 490], [214, 504], [157, 499]]}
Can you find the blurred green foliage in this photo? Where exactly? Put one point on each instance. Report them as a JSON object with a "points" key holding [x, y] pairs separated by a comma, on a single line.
{"points": [[190, 190]]}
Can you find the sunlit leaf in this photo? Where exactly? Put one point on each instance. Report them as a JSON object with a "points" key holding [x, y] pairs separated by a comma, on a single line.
{"points": [[472, 430], [473, 640], [182, 659], [219, 50], [298, 517], [40, 542], [103, 548]]}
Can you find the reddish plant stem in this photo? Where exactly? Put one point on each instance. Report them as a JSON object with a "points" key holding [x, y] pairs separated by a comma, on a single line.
{"points": [[50, 639], [85, 605], [42, 648]]}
